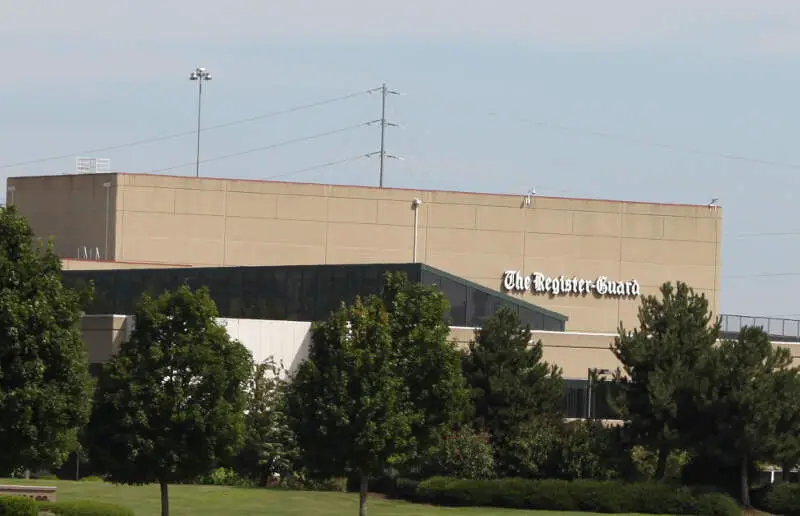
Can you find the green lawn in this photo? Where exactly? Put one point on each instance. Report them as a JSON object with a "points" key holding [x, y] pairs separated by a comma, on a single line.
{"points": [[212, 501]]}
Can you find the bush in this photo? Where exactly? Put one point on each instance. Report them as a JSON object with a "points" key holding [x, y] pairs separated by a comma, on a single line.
{"points": [[717, 504], [462, 453], [299, 482], [224, 477], [579, 495], [85, 508], [17, 506], [781, 499]]}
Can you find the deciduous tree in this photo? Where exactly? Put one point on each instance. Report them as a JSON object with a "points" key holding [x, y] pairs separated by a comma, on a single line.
{"points": [[429, 362], [170, 405], [347, 403], [269, 447], [45, 387]]}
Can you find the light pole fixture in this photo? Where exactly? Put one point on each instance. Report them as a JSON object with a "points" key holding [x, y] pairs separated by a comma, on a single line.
{"points": [[200, 75], [592, 374], [416, 204], [107, 186], [11, 189]]}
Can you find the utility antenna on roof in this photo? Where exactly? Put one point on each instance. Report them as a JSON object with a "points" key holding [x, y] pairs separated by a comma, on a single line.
{"points": [[84, 165], [714, 204], [528, 199]]}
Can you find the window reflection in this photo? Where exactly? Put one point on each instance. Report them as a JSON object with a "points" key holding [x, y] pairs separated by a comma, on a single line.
{"points": [[306, 293]]}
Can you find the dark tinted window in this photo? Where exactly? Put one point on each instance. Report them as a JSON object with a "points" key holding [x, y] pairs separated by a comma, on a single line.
{"points": [[307, 293]]}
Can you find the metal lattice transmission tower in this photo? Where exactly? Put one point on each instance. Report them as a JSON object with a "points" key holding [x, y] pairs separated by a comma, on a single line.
{"points": [[84, 165], [383, 123]]}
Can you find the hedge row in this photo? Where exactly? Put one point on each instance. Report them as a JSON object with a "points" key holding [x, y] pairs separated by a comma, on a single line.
{"points": [[779, 498], [23, 506], [578, 495], [18, 506]]}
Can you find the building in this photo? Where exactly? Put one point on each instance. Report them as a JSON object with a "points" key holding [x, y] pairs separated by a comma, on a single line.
{"points": [[576, 266]]}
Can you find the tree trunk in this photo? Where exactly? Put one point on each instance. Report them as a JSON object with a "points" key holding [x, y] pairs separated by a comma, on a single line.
{"points": [[164, 499], [786, 471], [744, 484], [661, 466], [362, 495]]}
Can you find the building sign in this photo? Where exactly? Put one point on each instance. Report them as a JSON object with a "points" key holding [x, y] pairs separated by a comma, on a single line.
{"points": [[538, 283]]}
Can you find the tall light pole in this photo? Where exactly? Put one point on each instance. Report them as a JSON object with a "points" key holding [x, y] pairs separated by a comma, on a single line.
{"points": [[107, 186], [11, 190], [200, 75]]}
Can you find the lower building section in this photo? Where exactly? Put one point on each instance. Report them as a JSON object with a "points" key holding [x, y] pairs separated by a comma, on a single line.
{"points": [[287, 342], [301, 292]]}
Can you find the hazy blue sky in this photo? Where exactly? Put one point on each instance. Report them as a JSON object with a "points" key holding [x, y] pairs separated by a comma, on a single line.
{"points": [[659, 100]]}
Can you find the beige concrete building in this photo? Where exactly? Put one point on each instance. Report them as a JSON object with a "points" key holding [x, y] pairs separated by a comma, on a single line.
{"points": [[141, 220], [588, 260]]}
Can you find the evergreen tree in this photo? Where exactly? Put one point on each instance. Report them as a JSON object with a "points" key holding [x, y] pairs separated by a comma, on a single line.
{"points": [[513, 390], [45, 387], [743, 406], [661, 374], [170, 405]]}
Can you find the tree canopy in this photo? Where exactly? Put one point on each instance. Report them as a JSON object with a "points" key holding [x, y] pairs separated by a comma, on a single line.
{"points": [[348, 403], [45, 387], [428, 361], [662, 368], [515, 393], [171, 403], [742, 408]]}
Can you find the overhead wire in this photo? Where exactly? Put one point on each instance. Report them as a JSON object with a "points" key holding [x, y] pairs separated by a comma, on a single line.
{"points": [[318, 167], [165, 137], [265, 147], [650, 143]]}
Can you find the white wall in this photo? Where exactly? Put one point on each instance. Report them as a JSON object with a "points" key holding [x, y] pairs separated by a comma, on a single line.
{"points": [[286, 341]]}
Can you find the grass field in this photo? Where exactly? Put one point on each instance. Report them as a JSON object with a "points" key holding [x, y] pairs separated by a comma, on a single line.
{"points": [[212, 501]]}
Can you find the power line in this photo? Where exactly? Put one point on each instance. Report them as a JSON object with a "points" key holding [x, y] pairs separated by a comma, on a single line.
{"points": [[318, 167], [765, 234], [651, 143], [162, 138], [762, 275], [266, 147]]}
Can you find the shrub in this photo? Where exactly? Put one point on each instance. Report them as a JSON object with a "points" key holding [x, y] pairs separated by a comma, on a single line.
{"points": [[579, 495], [85, 508], [645, 462], [781, 499], [300, 482], [224, 477], [463, 453], [717, 504], [18, 506]]}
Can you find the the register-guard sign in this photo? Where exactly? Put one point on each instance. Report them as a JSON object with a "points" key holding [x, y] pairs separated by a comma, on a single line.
{"points": [[538, 283]]}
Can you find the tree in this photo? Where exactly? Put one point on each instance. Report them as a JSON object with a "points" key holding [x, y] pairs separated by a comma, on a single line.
{"points": [[429, 363], [347, 403], [269, 449], [748, 374], [45, 385], [171, 403], [786, 442], [511, 385], [661, 376]]}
